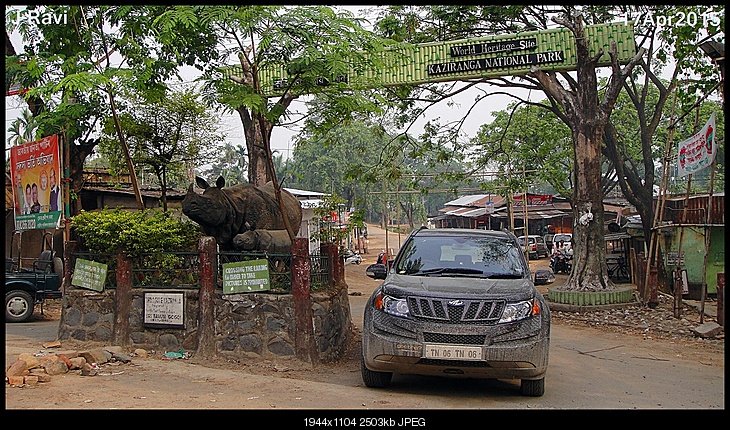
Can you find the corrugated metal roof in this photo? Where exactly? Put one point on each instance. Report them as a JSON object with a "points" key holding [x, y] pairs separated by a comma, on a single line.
{"points": [[471, 200], [304, 193], [696, 209], [532, 213]]}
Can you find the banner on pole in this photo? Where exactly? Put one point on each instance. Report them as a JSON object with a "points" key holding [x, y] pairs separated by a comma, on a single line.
{"points": [[697, 152], [35, 173]]}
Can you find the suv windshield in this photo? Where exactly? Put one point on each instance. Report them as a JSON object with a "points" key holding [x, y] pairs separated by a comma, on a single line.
{"points": [[521, 240], [562, 237], [483, 257]]}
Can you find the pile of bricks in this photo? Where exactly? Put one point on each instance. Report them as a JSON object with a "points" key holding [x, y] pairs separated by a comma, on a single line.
{"points": [[31, 369]]}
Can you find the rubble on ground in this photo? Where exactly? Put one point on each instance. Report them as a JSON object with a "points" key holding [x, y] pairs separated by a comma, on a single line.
{"points": [[658, 322], [31, 369]]}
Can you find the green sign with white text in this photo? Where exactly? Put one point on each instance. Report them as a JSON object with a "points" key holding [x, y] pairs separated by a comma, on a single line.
{"points": [[246, 276], [89, 274], [479, 57]]}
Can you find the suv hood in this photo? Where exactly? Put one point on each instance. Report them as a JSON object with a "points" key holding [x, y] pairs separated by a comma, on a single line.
{"points": [[516, 289]]}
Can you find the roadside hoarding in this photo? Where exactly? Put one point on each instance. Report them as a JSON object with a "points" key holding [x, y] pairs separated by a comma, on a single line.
{"points": [[697, 152], [36, 176]]}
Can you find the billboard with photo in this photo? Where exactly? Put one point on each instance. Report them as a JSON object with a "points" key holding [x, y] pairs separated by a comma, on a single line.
{"points": [[35, 171]]}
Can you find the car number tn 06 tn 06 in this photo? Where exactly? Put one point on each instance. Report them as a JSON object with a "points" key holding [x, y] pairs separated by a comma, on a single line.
{"points": [[453, 352]]}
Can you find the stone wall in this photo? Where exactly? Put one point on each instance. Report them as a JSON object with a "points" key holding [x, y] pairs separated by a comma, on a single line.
{"points": [[246, 325]]}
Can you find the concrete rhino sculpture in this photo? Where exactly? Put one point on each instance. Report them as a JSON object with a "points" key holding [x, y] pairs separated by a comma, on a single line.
{"points": [[223, 212], [273, 241]]}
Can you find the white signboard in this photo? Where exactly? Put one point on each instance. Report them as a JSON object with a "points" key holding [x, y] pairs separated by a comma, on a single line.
{"points": [[164, 309], [698, 151]]}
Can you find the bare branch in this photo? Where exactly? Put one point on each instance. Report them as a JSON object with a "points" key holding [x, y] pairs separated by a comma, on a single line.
{"points": [[615, 82], [552, 87]]}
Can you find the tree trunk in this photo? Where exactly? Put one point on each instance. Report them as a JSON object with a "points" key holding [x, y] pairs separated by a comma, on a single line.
{"points": [[258, 172], [590, 272], [79, 153], [163, 183]]}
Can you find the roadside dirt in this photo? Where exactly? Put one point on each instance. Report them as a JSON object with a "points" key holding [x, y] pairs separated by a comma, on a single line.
{"points": [[636, 326]]}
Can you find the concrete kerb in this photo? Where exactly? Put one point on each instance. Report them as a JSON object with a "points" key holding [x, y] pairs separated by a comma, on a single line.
{"points": [[562, 307], [589, 301]]}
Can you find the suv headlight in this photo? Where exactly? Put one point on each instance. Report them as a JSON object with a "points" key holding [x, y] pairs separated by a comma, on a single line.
{"points": [[520, 310], [391, 305]]}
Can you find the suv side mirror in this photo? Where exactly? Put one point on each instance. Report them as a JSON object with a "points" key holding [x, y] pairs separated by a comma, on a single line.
{"points": [[543, 277], [376, 271]]}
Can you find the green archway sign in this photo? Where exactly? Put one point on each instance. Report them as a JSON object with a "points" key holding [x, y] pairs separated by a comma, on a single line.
{"points": [[483, 57]]}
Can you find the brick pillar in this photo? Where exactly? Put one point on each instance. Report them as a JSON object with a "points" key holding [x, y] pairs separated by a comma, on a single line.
{"points": [[304, 343], [206, 297], [337, 264], [122, 300]]}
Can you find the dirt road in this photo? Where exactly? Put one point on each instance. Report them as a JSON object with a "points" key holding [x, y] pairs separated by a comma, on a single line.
{"points": [[590, 368]]}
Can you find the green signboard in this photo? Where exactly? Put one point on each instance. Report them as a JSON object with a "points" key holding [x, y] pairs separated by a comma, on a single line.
{"points": [[479, 57], [246, 276], [89, 274]]}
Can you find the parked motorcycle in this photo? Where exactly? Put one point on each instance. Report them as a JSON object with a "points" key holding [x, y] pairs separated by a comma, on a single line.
{"points": [[561, 263], [351, 257]]}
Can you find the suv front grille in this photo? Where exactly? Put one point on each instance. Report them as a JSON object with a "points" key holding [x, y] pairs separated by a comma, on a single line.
{"points": [[456, 311], [455, 339]]}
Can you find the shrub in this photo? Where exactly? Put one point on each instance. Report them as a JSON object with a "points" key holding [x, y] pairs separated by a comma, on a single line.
{"points": [[134, 232]]}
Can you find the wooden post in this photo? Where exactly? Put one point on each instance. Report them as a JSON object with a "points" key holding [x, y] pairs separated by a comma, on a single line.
{"points": [[720, 299], [206, 297], [69, 248], [661, 198], [122, 300], [304, 343], [708, 241]]}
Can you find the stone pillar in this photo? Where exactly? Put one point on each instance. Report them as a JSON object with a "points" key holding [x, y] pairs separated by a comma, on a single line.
{"points": [[122, 300], [206, 297], [304, 343]]}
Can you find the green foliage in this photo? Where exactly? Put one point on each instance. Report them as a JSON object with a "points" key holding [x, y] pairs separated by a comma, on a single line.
{"points": [[359, 160], [230, 162], [133, 232], [163, 268], [168, 136], [528, 137]]}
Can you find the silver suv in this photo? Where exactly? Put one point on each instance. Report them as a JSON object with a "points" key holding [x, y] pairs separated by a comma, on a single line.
{"points": [[457, 303]]}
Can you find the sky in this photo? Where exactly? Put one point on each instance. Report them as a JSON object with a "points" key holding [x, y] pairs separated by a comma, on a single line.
{"points": [[282, 138]]}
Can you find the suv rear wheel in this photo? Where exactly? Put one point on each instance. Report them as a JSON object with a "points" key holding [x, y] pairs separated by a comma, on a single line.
{"points": [[532, 387], [372, 378]]}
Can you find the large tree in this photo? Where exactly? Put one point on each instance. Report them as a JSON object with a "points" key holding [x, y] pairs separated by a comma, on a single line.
{"points": [[574, 97], [311, 42], [74, 70], [587, 115]]}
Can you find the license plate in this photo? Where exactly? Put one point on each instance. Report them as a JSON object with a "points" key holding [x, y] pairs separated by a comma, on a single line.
{"points": [[452, 352]]}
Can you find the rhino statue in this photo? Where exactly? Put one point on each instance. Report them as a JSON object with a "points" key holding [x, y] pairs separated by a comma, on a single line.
{"points": [[273, 241], [223, 212]]}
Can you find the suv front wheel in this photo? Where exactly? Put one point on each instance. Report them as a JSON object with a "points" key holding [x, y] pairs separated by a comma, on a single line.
{"points": [[532, 387], [372, 378], [18, 306]]}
